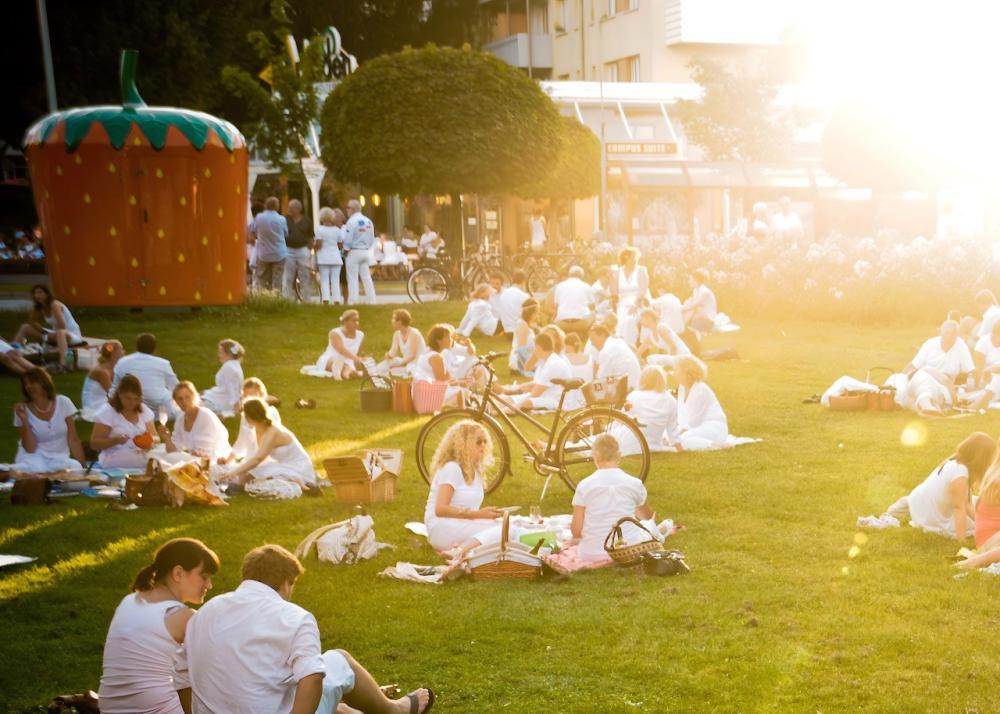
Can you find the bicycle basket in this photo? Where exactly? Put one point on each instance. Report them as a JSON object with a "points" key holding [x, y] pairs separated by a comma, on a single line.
{"points": [[610, 391]]}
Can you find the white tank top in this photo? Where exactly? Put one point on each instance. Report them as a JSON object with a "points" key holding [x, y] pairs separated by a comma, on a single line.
{"points": [[423, 371], [351, 344], [628, 288], [138, 672]]}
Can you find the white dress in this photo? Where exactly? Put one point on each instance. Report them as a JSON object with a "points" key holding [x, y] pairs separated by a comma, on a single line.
{"points": [[336, 360], [246, 441], [930, 503], [71, 325], [555, 367], [138, 672], [443, 533], [225, 396], [92, 397], [52, 440], [127, 455], [656, 414], [208, 436], [413, 344], [701, 419], [289, 462], [628, 297]]}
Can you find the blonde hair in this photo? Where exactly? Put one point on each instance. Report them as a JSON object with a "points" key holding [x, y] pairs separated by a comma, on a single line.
{"points": [[107, 351], [190, 387], [692, 368], [628, 250], [605, 449], [458, 445], [653, 379], [990, 491], [326, 215], [978, 454], [257, 383], [348, 314], [232, 348]]}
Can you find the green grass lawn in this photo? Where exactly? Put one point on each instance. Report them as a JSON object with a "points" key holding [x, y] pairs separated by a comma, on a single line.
{"points": [[775, 616]]}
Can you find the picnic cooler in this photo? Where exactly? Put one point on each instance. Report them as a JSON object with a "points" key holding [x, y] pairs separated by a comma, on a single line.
{"points": [[625, 554], [506, 560], [610, 391], [428, 396], [368, 477], [857, 400], [402, 396]]}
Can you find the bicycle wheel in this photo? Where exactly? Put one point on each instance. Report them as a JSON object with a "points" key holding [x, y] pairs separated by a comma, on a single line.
{"points": [[434, 430], [427, 285], [574, 442], [313, 286], [541, 278]]}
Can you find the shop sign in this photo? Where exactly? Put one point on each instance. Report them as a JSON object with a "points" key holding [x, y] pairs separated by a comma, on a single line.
{"points": [[642, 147], [337, 63]]}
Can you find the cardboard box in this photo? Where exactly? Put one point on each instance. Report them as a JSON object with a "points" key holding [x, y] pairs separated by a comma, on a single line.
{"points": [[368, 477]]}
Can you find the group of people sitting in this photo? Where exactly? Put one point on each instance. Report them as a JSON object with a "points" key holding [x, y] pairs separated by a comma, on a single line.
{"points": [[248, 650], [959, 499]]}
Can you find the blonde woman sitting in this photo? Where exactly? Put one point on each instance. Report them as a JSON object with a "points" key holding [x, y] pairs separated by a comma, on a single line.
{"points": [[342, 358], [197, 430], [658, 344], [655, 410], [224, 397], [279, 454], [246, 440], [454, 514], [701, 422], [407, 345], [97, 383]]}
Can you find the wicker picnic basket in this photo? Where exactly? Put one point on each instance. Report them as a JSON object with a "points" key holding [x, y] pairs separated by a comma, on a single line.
{"points": [[611, 391], [862, 400], [623, 553], [504, 568]]}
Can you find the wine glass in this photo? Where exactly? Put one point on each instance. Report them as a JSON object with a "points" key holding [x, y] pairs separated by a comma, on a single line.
{"points": [[161, 416], [536, 514]]}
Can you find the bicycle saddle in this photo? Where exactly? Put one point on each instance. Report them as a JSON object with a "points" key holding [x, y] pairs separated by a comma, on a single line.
{"points": [[568, 384]]}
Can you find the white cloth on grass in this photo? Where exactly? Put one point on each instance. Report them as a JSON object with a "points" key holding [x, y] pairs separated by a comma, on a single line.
{"points": [[52, 440], [845, 384], [224, 397]]}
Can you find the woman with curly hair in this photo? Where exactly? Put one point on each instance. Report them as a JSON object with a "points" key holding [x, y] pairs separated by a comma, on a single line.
{"points": [[454, 514]]}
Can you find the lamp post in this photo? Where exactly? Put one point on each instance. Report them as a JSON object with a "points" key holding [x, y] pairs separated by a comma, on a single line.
{"points": [[50, 77], [604, 153]]}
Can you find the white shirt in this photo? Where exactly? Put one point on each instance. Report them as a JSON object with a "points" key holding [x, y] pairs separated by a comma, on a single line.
{"points": [[786, 226], [359, 232], [990, 318], [989, 351], [120, 426], [246, 650], [329, 251], [608, 495], [573, 299], [555, 367], [154, 373], [480, 315], [616, 358], [427, 244], [699, 407], [670, 309], [208, 435], [467, 495], [225, 396], [51, 436], [930, 502], [508, 306], [951, 363], [703, 302]]}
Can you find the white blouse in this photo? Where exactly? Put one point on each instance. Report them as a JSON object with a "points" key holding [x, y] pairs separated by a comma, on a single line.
{"points": [[698, 407], [51, 435], [207, 437], [225, 396], [329, 251], [119, 426], [467, 495]]}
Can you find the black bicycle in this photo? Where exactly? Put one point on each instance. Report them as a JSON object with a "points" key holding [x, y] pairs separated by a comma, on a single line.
{"points": [[565, 450], [441, 278]]}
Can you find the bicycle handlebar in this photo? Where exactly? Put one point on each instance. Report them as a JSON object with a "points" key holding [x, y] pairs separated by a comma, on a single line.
{"points": [[490, 356]]}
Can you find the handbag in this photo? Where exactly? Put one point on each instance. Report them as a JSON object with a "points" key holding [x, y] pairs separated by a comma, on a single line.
{"points": [[32, 491], [428, 396], [625, 554], [149, 489], [664, 562], [402, 396], [610, 391]]}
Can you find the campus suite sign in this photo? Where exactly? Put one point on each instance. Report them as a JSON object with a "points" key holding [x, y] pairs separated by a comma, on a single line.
{"points": [[647, 148]]}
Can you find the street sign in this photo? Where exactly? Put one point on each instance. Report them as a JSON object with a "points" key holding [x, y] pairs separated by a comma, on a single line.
{"points": [[642, 147]]}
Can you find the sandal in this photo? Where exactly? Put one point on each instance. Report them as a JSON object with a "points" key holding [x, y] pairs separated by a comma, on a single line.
{"points": [[415, 702], [305, 404]]}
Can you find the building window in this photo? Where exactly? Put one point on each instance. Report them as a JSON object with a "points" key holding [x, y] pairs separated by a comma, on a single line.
{"points": [[623, 70], [561, 22], [616, 6]]}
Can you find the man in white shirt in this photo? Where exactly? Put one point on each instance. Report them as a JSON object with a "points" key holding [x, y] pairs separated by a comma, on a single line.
{"points": [[359, 241], [154, 373], [614, 357], [572, 302], [986, 301], [510, 300], [786, 224], [987, 359], [700, 309], [479, 315], [945, 354], [430, 243], [252, 650]]}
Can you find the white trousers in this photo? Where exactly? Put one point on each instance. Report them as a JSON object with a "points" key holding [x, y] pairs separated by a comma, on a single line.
{"points": [[329, 283], [297, 265], [359, 261], [706, 435]]}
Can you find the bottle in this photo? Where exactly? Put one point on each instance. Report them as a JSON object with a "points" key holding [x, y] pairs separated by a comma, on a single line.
{"points": [[71, 360]]}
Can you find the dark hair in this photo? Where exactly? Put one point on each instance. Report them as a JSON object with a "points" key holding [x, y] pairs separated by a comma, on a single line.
{"points": [[402, 316], [600, 329], [529, 309], [518, 277], [37, 308], [38, 376], [573, 340], [146, 343], [545, 341], [129, 384], [272, 565], [436, 334], [188, 553], [256, 409]]}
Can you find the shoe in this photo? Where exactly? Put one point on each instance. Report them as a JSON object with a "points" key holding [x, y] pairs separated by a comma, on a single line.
{"points": [[305, 404]]}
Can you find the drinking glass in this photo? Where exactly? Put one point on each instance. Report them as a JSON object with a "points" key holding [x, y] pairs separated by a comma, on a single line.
{"points": [[536, 514]]}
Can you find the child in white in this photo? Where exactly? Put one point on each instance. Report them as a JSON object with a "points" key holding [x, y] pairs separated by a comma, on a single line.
{"points": [[479, 315], [224, 397], [655, 409], [701, 422], [605, 497], [329, 237]]}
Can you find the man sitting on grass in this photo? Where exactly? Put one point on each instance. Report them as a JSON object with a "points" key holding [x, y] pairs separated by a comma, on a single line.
{"points": [[252, 650]]}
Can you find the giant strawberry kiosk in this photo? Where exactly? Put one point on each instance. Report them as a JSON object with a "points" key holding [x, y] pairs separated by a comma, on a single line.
{"points": [[141, 205]]}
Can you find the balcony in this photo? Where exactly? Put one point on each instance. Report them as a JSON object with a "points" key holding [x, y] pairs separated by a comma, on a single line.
{"points": [[514, 50]]}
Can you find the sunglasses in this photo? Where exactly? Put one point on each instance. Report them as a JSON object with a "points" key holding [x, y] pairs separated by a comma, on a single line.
{"points": [[481, 442]]}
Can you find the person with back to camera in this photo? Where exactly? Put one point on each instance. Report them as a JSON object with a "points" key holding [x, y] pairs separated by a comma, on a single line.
{"points": [[359, 239], [224, 397], [614, 357], [329, 261], [700, 420], [149, 626], [269, 234], [511, 299], [154, 373], [654, 409], [522, 345], [253, 650], [571, 302], [97, 383], [123, 429], [50, 322], [46, 426]]}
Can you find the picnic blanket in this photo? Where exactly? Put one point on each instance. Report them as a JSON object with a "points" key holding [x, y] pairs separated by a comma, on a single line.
{"points": [[568, 561]]}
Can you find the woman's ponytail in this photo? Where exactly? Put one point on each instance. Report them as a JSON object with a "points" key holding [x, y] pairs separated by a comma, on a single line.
{"points": [[145, 579]]}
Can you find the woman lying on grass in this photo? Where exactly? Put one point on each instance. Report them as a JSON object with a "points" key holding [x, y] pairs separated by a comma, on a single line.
{"points": [[149, 626], [987, 522], [942, 503]]}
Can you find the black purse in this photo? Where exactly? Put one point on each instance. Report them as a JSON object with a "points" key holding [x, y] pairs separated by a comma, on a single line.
{"points": [[664, 562]]}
